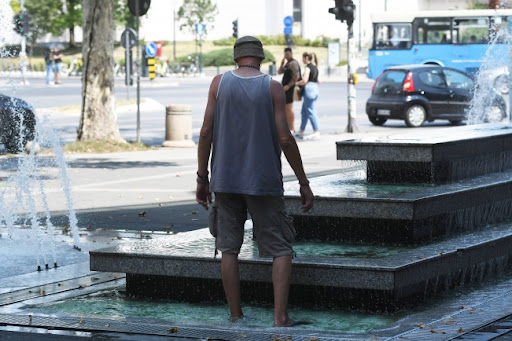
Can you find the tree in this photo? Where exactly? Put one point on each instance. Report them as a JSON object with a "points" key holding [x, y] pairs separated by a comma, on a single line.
{"points": [[98, 119], [46, 16], [56, 16], [122, 14], [72, 17], [197, 11]]}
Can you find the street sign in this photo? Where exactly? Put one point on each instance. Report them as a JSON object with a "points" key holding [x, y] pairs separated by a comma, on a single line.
{"points": [[333, 56], [150, 49], [200, 28], [129, 36], [288, 21], [287, 30]]}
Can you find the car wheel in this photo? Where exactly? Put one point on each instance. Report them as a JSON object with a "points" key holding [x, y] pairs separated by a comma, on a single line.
{"points": [[501, 84], [415, 116], [378, 121], [456, 122], [494, 114], [12, 137]]}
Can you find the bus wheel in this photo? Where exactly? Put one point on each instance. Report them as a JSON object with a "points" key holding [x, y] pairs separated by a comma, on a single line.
{"points": [[415, 116], [378, 121]]}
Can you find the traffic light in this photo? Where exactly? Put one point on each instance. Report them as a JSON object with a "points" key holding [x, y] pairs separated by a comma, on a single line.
{"points": [[22, 23], [336, 10], [235, 29], [344, 10]]}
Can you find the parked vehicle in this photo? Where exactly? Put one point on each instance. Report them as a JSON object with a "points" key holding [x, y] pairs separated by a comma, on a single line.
{"points": [[17, 123], [496, 78], [419, 93]]}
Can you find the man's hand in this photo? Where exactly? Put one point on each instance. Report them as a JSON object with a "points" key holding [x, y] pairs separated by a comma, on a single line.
{"points": [[203, 195], [306, 196]]}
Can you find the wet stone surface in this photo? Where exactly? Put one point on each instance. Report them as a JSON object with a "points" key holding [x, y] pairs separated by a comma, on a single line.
{"points": [[348, 208], [462, 153]]}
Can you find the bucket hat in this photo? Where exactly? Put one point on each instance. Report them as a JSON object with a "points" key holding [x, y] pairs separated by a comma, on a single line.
{"points": [[248, 46]]}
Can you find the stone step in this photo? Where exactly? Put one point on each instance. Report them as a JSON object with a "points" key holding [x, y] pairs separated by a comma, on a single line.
{"points": [[183, 268], [438, 156], [348, 208]]}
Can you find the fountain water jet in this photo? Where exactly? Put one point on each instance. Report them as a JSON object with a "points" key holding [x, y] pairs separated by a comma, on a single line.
{"points": [[23, 199]]}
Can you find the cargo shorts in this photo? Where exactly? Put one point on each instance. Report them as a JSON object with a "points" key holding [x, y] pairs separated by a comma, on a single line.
{"points": [[272, 226]]}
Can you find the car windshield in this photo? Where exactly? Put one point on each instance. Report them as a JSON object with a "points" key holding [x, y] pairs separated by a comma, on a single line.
{"points": [[390, 82]]}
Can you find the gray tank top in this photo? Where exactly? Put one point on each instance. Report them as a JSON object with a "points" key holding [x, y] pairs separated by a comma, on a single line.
{"points": [[246, 156]]}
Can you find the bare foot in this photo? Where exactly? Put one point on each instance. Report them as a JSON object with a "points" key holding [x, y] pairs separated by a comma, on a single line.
{"points": [[235, 319], [292, 323]]}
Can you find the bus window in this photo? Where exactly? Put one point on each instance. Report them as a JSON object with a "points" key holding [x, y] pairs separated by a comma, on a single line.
{"points": [[432, 31], [471, 31], [393, 36], [499, 29]]}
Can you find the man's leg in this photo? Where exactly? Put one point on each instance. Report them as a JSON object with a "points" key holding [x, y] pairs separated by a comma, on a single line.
{"points": [[231, 282], [290, 116], [281, 275]]}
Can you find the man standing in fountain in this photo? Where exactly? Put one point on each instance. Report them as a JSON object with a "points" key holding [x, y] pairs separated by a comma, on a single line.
{"points": [[245, 121]]}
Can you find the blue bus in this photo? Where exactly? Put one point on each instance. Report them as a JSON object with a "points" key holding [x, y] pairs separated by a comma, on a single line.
{"points": [[453, 38]]}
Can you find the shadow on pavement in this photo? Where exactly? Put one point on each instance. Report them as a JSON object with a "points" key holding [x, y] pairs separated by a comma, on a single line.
{"points": [[111, 164], [180, 217]]}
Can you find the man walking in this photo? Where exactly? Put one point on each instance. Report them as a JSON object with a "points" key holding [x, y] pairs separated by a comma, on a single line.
{"points": [[245, 122], [291, 74]]}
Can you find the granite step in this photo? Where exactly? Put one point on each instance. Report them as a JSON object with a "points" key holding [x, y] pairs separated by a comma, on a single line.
{"points": [[183, 268]]}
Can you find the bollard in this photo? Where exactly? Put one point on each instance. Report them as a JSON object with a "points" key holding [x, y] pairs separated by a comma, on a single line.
{"points": [[178, 126]]}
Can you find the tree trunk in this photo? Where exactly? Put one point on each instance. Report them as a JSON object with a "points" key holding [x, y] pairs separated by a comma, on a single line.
{"points": [[98, 120], [72, 42]]}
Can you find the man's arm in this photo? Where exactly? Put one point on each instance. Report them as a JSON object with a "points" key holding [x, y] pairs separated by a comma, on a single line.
{"points": [[294, 66], [281, 68], [204, 146], [289, 146]]}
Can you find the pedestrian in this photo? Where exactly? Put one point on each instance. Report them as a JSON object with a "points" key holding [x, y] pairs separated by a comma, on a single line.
{"points": [[290, 69], [245, 121], [48, 58], [57, 58], [310, 83]]}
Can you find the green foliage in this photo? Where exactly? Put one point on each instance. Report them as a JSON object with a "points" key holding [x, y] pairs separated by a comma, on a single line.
{"points": [[15, 5], [47, 16], [123, 16], [225, 42], [476, 4], [192, 12], [321, 41], [221, 57], [56, 16]]}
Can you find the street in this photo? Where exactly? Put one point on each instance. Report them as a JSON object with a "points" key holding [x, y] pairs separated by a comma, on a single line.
{"points": [[332, 106]]}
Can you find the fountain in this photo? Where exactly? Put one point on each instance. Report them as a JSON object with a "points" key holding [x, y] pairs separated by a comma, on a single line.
{"points": [[438, 203], [440, 232]]}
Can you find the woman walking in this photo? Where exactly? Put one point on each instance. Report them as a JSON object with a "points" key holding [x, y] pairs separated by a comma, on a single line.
{"points": [[310, 83]]}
